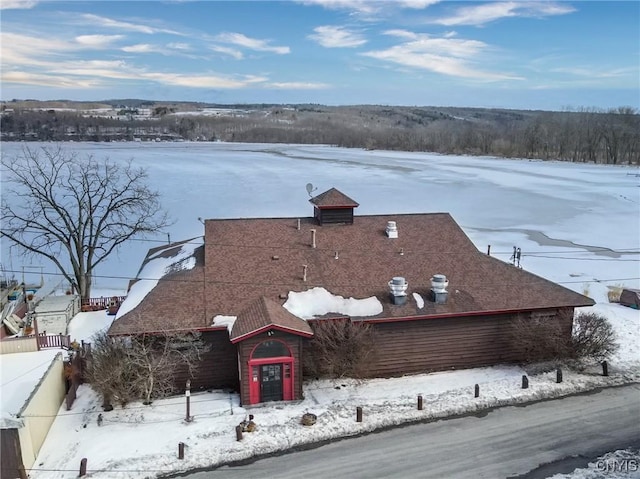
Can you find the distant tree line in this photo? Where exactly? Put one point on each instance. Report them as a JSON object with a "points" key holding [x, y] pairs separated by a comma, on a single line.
{"points": [[581, 135]]}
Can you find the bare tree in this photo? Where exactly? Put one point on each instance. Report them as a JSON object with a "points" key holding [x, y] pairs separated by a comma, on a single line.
{"points": [[76, 211], [142, 367], [340, 348], [156, 359]]}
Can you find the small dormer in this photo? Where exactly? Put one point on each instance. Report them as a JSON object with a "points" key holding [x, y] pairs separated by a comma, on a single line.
{"points": [[333, 207]]}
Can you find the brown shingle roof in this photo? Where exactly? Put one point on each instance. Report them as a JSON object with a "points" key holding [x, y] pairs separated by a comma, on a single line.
{"points": [[245, 259], [264, 314], [241, 266], [175, 303], [333, 198]]}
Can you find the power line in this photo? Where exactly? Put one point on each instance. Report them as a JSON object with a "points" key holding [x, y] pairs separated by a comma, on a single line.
{"points": [[292, 282], [25, 372], [583, 249]]}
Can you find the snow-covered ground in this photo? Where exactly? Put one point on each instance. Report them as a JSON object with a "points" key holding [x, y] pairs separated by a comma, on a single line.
{"points": [[575, 224], [622, 464]]}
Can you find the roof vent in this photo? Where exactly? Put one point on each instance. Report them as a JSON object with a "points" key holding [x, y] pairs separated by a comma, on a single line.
{"points": [[392, 229], [398, 286], [439, 285]]}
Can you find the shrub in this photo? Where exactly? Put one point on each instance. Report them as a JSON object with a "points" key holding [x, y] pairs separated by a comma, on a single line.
{"points": [[536, 340], [593, 337], [339, 348], [124, 369]]}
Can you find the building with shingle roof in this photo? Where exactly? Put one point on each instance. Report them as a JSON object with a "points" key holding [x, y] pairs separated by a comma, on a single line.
{"points": [[259, 285]]}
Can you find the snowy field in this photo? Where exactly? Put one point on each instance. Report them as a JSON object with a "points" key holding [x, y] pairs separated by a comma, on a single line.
{"points": [[575, 224]]}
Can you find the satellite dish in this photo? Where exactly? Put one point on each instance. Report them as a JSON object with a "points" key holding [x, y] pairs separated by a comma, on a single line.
{"points": [[310, 188]]}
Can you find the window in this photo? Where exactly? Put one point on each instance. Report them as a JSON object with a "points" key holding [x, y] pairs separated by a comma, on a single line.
{"points": [[270, 349]]}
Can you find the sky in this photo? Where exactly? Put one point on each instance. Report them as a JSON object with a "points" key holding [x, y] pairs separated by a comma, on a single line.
{"points": [[510, 54]]}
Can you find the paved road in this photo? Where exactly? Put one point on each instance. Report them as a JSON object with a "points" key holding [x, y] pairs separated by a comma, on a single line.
{"points": [[507, 442]]}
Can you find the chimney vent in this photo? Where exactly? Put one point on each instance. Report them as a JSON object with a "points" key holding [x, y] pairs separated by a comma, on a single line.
{"points": [[392, 229], [313, 238], [398, 286], [439, 285]]}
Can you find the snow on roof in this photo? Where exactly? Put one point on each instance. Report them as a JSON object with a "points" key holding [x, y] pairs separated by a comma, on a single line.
{"points": [[52, 304], [419, 300], [83, 326], [154, 269], [318, 301], [20, 373], [227, 321]]}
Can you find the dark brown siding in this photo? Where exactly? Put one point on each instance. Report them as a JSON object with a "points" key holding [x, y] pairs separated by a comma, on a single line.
{"points": [[11, 461], [421, 346], [219, 366], [244, 350], [337, 215]]}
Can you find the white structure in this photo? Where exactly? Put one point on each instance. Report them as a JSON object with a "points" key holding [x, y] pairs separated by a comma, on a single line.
{"points": [[439, 283], [398, 286], [53, 313], [32, 393], [392, 229]]}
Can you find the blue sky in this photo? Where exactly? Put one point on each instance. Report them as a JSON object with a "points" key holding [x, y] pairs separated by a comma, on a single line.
{"points": [[512, 54]]}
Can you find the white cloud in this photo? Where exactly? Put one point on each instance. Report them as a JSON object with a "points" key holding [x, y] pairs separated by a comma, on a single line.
{"points": [[488, 12], [120, 25], [140, 48], [47, 80], [297, 86], [360, 6], [202, 81], [336, 37], [447, 56], [97, 41], [170, 49], [401, 34], [251, 43], [179, 46], [596, 72], [417, 4], [237, 54], [17, 4]]}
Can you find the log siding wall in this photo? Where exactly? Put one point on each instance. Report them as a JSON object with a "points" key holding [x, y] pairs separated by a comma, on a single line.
{"points": [[334, 216], [426, 345], [422, 346], [218, 368]]}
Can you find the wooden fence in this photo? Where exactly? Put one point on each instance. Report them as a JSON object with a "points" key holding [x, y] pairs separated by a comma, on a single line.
{"points": [[27, 344], [74, 375], [96, 304], [48, 341]]}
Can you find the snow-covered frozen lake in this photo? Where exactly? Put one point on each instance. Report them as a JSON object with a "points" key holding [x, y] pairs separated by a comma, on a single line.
{"points": [[575, 224]]}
